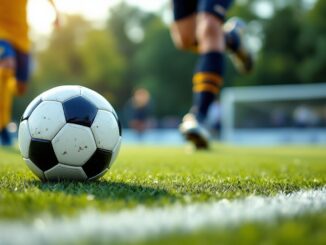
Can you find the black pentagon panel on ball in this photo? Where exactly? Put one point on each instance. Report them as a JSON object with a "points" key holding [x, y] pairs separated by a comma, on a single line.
{"points": [[30, 108], [41, 153], [80, 111], [97, 163]]}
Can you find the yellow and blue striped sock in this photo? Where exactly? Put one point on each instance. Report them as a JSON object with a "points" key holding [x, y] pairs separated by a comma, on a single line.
{"points": [[207, 82]]}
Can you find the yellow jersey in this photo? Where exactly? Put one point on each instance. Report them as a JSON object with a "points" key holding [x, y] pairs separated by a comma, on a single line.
{"points": [[13, 23]]}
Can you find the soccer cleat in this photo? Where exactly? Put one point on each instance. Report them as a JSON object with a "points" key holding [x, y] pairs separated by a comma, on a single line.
{"points": [[191, 129], [241, 57]]}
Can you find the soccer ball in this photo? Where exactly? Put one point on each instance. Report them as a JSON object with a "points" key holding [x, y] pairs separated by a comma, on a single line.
{"points": [[69, 133]]}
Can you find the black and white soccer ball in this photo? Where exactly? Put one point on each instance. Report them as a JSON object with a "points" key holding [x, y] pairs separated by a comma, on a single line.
{"points": [[69, 133]]}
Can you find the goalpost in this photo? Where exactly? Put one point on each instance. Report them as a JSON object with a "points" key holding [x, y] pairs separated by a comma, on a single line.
{"points": [[274, 114]]}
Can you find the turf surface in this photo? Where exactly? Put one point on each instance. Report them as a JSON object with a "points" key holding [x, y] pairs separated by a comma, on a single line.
{"points": [[154, 176], [308, 229]]}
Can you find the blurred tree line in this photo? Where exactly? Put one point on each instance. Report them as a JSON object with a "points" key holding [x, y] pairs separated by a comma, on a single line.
{"points": [[134, 49]]}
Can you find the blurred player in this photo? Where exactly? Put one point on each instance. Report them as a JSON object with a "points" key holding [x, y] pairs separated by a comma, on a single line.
{"points": [[138, 111], [14, 58], [199, 26]]}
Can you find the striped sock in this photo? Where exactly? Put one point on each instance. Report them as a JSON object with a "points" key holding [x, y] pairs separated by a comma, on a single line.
{"points": [[207, 82]]}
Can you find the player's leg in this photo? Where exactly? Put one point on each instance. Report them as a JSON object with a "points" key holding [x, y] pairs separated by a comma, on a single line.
{"points": [[7, 88], [208, 77], [184, 25], [14, 73], [22, 72], [240, 55]]}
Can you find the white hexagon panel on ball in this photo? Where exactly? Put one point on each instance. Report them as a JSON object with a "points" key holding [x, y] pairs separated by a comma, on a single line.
{"points": [[64, 172], [115, 152], [24, 138], [106, 130], [31, 107], [61, 93], [46, 120], [74, 144]]}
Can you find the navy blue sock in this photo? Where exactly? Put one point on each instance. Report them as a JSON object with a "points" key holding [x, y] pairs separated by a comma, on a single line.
{"points": [[201, 103], [207, 82]]}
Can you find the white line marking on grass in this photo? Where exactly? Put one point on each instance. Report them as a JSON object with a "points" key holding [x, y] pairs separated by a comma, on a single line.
{"points": [[142, 222]]}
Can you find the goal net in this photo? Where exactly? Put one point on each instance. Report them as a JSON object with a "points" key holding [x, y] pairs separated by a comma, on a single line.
{"points": [[274, 114]]}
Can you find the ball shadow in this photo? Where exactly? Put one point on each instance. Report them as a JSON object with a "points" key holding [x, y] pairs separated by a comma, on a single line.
{"points": [[107, 190]]}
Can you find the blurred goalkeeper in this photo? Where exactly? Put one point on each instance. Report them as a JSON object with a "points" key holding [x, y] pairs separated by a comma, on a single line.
{"points": [[199, 26], [14, 58]]}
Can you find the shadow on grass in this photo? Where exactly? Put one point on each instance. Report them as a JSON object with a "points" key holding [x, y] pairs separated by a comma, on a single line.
{"points": [[9, 149], [103, 190]]}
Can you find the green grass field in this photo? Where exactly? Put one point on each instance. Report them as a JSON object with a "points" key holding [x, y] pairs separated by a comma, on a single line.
{"points": [[162, 176]]}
